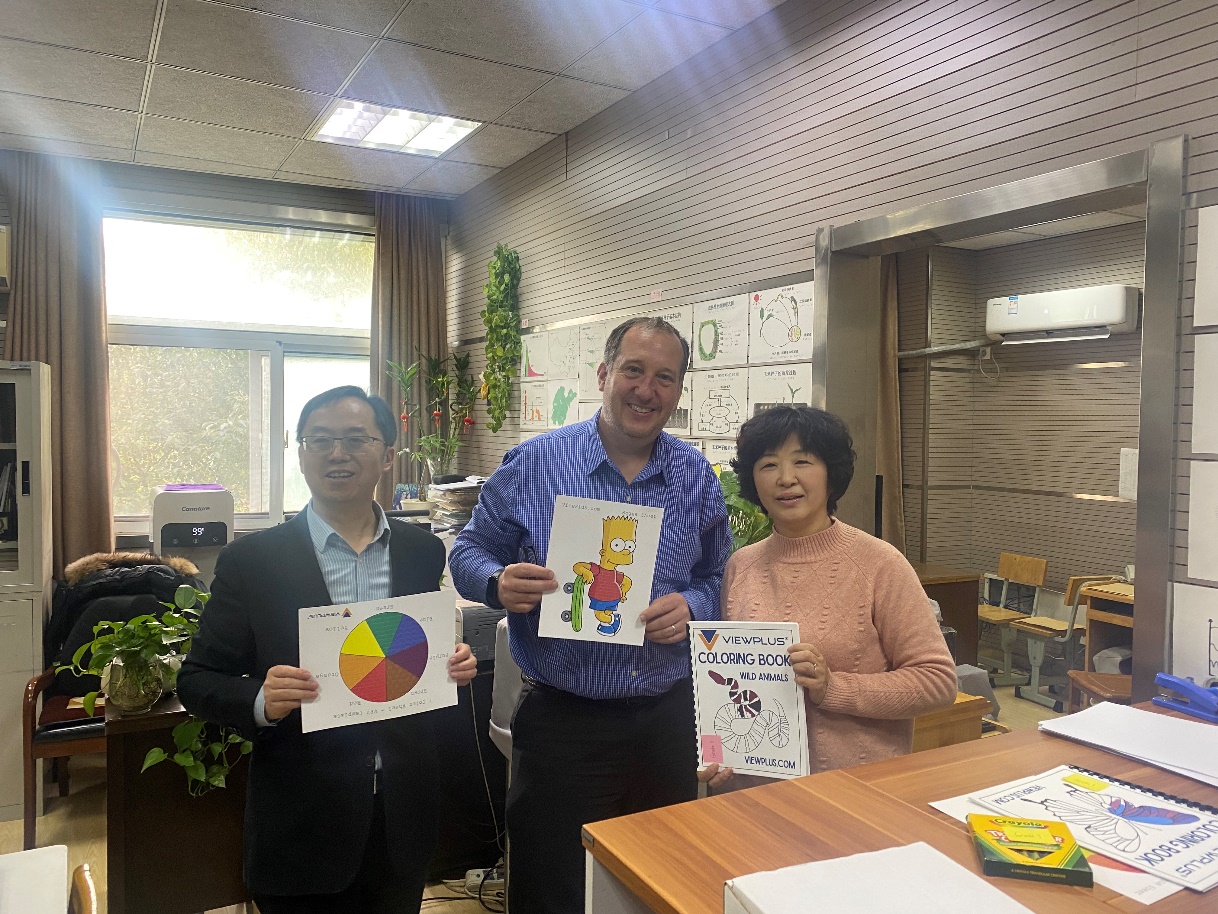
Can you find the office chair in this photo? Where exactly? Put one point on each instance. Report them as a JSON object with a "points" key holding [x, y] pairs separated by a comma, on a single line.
{"points": [[1040, 630], [1012, 569]]}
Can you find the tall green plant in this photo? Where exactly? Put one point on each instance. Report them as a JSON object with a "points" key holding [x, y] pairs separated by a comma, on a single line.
{"points": [[501, 316], [748, 522]]}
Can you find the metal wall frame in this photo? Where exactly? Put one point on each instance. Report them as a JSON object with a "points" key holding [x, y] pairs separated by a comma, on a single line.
{"points": [[848, 281]]}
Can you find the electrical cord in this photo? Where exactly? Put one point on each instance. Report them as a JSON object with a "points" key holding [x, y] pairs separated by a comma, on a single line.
{"points": [[486, 782], [981, 365]]}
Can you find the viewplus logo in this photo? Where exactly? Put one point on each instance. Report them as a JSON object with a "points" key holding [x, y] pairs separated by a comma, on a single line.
{"points": [[346, 614], [709, 637]]}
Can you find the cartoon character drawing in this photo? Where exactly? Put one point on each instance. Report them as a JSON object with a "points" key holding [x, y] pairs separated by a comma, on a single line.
{"points": [[606, 586], [742, 723]]}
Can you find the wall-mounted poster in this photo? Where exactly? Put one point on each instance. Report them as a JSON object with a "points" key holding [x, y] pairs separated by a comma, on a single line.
{"points": [[1205, 295], [780, 324], [561, 396], [678, 422], [591, 351], [534, 356], [1194, 643], [680, 316], [534, 405], [720, 402], [719, 451], [771, 385], [586, 409], [721, 333], [692, 442], [562, 353]]}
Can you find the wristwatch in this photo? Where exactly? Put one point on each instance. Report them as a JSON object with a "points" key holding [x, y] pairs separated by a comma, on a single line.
{"points": [[492, 590]]}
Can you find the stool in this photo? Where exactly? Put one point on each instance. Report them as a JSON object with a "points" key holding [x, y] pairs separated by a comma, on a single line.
{"points": [[1114, 687]]}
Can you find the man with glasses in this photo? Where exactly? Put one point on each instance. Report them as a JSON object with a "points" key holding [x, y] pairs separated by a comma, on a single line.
{"points": [[600, 730], [340, 820]]}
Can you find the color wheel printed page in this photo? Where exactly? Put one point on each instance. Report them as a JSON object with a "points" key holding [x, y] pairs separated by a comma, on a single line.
{"points": [[378, 660], [603, 554], [750, 712], [1163, 836]]}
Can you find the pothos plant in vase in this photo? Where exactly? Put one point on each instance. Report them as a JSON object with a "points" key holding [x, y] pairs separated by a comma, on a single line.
{"points": [[138, 661], [446, 414]]}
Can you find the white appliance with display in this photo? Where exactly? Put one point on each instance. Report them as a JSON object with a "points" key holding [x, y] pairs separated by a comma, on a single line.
{"points": [[194, 521], [1091, 313]]}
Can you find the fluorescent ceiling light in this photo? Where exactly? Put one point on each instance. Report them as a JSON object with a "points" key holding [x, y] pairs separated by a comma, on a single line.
{"points": [[393, 129]]}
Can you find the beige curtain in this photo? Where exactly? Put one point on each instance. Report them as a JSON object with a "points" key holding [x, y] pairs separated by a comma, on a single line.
{"points": [[888, 432], [57, 315], [408, 308]]}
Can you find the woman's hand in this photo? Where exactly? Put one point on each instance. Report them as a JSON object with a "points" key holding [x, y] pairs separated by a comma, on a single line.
{"points": [[714, 776], [811, 671], [462, 665]]}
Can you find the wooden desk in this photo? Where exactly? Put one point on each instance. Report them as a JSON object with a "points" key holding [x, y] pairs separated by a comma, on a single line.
{"points": [[956, 724], [166, 851], [675, 860], [956, 593], [1109, 617]]}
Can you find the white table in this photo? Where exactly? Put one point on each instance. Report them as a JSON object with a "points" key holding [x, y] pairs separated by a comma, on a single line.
{"points": [[35, 881]]}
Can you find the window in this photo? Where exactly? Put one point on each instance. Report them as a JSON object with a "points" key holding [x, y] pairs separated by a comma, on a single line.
{"points": [[219, 333]]}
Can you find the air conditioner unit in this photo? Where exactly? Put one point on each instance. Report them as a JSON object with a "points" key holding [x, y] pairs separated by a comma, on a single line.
{"points": [[1069, 314]]}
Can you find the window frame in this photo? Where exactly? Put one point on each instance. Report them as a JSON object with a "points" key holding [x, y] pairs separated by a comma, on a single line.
{"points": [[278, 343]]}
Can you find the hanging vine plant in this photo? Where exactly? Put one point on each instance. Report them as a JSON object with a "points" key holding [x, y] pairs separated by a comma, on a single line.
{"points": [[502, 320]]}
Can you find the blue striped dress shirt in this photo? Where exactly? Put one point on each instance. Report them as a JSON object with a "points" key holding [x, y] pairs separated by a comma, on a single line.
{"points": [[512, 524]]}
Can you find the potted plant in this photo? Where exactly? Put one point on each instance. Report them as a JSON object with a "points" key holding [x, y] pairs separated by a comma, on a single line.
{"points": [[447, 412], [138, 661], [501, 317], [748, 522]]}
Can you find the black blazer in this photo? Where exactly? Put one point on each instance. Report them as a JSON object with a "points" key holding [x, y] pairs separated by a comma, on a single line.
{"points": [[309, 804]]}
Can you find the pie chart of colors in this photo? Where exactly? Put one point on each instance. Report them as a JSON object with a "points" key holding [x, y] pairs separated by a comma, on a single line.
{"points": [[383, 657]]}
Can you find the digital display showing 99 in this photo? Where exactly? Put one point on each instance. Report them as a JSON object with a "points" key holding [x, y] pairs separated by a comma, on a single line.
{"points": [[210, 533]]}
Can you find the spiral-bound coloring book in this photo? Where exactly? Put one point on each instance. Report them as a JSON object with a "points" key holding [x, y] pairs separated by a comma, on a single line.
{"points": [[750, 712]]}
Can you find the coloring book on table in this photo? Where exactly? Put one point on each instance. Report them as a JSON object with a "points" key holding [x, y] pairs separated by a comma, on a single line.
{"points": [[750, 712], [1159, 834], [603, 554]]}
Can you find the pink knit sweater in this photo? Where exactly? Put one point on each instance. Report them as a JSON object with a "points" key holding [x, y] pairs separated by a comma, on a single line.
{"points": [[859, 601]]}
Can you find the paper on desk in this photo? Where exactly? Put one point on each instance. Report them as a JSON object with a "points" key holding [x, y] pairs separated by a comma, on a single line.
{"points": [[849, 885], [1112, 874], [1186, 747]]}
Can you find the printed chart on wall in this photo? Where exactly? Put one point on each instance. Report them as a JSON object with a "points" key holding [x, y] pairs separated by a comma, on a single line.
{"points": [[378, 660], [591, 352], [719, 451], [750, 712], [780, 324], [720, 402], [1194, 626], [561, 397], [534, 356], [1161, 835], [680, 316], [776, 385], [534, 405], [603, 554], [562, 353], [721, 333]]}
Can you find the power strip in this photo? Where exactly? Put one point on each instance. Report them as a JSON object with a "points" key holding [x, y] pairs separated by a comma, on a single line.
{"points": [[491, 885]]}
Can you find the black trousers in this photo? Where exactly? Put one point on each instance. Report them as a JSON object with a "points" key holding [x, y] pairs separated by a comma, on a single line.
{"points": [[381, 886], [577, 760]]}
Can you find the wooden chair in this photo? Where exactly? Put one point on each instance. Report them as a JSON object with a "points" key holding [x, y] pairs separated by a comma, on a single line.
{"points": [[57, 732], [83, 899], [1114, 687], [1040, 630], [1012, 569]]}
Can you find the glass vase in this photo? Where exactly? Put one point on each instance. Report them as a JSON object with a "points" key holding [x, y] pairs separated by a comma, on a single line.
{"points": [[439, 466], [134, 684]]}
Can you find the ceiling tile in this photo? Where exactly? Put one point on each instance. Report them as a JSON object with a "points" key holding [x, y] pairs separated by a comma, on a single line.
{"points": [[113, 26], [74, 76], [350, 163], [216, 144], [221, 39], [548, 34], [498, 146], [69, 121], [60, 148], [450, 178], [185, 163], [233, 102], [367, 16], [730, 13], [648, 46], [561, 104], [440, 83], [296, 177]]}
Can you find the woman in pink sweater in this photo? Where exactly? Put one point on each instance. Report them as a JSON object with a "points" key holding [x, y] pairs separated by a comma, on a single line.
{"points": [[871, 657]]}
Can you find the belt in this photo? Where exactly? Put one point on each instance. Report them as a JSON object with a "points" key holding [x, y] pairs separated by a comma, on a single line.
{"points": [[627, 701]]}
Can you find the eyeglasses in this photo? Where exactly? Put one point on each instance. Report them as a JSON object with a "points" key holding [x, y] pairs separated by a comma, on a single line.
{"points": [[351, 444]]}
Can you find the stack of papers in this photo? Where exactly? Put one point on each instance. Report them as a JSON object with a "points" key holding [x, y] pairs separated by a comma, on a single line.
{"points": [[884, 880], [1185, 747]]}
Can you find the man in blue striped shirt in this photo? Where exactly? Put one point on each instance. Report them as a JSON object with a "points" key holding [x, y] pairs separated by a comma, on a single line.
{"points": [[601, 730]]}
